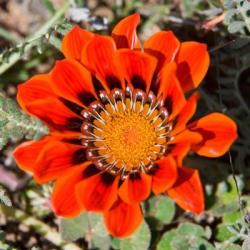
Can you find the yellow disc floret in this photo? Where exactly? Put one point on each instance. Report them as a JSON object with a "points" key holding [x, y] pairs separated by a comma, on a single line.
{"points": [[129, 138]]}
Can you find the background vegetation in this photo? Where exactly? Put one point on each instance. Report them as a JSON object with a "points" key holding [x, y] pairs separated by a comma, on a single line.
{"points": [[30, 33]]}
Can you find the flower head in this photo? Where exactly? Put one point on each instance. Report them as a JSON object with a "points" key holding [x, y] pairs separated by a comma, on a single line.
{"points": [[120, 124]]}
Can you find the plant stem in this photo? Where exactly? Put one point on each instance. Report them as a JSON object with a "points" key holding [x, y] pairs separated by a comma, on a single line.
{"points": [[15, 56], [9, 37]]}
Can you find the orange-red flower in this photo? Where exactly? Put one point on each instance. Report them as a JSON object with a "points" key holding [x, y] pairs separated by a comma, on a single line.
{"points": [[120, 124]]}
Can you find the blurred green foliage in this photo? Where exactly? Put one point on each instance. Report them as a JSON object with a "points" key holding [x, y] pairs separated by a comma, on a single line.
{"points": [[225, 89]]}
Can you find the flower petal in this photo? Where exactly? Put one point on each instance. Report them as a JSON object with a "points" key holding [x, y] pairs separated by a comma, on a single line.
{"points": [[124, 33], [55, 114], [123, 219], [187, 191], [63, 198], [100, 56], [163, 45], [192, 64], [173, 96], [49, 158], [186, 114], [73, 82], [98, 192], [165, 175], [36, 88], [135, 188], [218, 133], [138, 68], [179, 151], [186, 136], [36, 97], [27, 153], [74, 41]]}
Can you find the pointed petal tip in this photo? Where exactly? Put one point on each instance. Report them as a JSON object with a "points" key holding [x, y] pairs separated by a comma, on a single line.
{"points": [[124, 33]]}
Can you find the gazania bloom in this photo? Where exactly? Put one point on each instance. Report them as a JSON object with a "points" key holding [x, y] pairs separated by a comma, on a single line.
{"points": [[120, 124]]}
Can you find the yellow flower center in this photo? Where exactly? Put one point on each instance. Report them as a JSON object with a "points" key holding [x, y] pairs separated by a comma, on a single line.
{"points": [[125, 131], [129, 138]]}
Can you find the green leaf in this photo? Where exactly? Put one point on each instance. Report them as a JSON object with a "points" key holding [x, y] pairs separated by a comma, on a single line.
{"points": [[236, 247], [98, 236], [246, 5], [191, 229], [186, 236], [49, 6], [115, 243], [229, 15], [16, 125], [74, 228], [232, 217], [4, 197], [88, 225], [236, 26], [222, 233], [227, 246], [226, 198], [166, 239], [162, 209], [246, 244], [191, 243], [140, 240]]}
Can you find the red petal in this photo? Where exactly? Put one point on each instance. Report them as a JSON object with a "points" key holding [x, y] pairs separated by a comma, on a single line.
{"points": [[164, 46], [186, 136], [74, 41], [218, 132], [73, 82], [187, 191], [179, 151], [192, 64], [135, 188], [49, 158], [124, 33], [27, 153], [138, 68], [55, 114], [165, 175], [37, 88], [186, 114], [100, 56], [36, 97], [63, 198], [170, 89], [123, 219], [98, 193]]}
